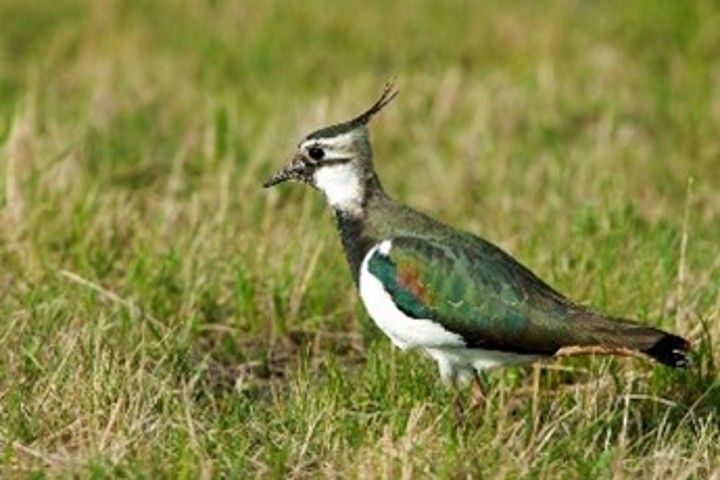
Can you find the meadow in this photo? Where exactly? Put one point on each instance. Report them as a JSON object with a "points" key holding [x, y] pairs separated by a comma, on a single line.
{"points": [[163, 316]]}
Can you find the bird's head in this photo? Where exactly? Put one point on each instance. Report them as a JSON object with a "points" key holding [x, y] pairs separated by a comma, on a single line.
{"points": [[337, 159]]}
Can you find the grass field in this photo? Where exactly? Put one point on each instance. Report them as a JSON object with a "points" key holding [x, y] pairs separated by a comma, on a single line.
{"points": [[161, 315]]}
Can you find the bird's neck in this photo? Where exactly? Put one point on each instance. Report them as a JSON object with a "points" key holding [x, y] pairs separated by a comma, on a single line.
{"points": [[354, 240], [353, 225]]}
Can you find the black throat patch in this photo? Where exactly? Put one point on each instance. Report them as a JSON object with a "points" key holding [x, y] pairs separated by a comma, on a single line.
{"points": [[354, 239]]}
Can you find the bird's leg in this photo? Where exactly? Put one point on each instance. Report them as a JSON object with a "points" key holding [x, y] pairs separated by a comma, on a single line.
{"points": [[452, 381], [477, 398], [458, 407], [449, 376], [478, 391]]}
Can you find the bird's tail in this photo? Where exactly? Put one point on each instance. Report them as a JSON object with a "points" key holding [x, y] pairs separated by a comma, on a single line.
{"points": [[602, 334], [670, 350]]}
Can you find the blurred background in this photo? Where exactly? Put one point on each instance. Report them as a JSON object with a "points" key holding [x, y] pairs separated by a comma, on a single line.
{"points": [[151, 293]]}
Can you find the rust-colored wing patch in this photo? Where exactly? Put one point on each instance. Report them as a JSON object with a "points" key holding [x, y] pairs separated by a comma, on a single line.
{"points": [[409, 275]]}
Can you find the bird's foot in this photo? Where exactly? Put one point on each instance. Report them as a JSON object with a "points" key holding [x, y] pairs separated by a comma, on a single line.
{"points": [[465, 410]]}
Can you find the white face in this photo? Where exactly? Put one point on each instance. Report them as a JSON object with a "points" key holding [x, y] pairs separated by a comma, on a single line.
{"points": [[341, 185], [336, 173]]}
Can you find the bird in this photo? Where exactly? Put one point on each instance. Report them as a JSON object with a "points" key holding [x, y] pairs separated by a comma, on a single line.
{"points": [[453, 295]]}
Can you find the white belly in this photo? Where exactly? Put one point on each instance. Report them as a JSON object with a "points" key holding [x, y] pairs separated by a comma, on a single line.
{"points": [[457, 364]]}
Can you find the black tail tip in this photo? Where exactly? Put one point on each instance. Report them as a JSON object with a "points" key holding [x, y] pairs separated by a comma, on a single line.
{"points": [[670, 350]]}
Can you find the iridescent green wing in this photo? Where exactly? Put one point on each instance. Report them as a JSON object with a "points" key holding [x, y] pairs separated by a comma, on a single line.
{"points": [[474, 289]]}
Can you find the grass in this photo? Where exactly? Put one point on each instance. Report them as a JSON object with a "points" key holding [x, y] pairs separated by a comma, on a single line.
{"points": [[163, 316]]}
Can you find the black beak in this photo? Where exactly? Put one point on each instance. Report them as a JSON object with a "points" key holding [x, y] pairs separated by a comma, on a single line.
{"points": [[297, 170]]}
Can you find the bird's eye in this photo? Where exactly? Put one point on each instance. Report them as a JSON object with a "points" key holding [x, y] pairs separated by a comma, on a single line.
{"points": [[316, 152]]}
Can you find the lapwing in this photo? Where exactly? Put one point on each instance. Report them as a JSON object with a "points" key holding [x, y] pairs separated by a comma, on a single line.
{"points": [[428, 286]]}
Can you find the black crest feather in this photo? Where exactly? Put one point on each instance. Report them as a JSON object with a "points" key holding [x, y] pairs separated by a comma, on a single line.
{"points": [[387, 95]]}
